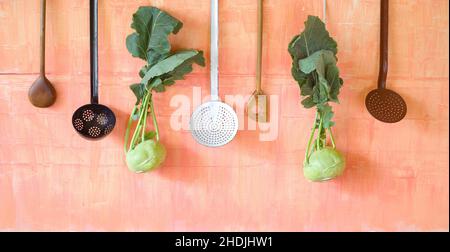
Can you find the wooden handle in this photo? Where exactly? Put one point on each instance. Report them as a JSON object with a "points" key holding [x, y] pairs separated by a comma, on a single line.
{"points": [[259, 46], [43, 19], [384, 44]]}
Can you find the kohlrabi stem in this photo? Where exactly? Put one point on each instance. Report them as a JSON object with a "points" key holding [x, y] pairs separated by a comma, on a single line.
{"points": [[127, 132], [319, 135], [311, 138], [143, 111], [144, 124], [155, 122], [332, 138]]}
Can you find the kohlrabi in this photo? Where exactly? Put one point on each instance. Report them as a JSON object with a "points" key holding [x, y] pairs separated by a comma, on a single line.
{"points": [[315, 69], [149, 42]]}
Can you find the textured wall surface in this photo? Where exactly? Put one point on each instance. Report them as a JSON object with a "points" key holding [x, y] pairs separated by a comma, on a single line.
{"points": [[397, 177]]}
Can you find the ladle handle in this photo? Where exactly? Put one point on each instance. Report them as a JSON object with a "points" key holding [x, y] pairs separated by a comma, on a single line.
{"points": [[259, 46], [215, 49], [384, 44], [93, 9], [43, 20]]}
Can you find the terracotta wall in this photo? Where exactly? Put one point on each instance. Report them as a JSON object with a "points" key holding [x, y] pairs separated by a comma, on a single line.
{"points": [[397, 177]]}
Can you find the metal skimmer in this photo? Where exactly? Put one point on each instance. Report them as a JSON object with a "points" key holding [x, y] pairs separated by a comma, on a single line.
{"points": [[214, 123], [384, 104], [94, 121]]}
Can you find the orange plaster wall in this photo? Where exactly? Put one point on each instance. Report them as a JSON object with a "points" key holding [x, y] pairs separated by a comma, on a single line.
{"points": [[397, 177]]}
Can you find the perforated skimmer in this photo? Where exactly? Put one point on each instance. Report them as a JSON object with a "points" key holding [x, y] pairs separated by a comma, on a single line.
{"points": [[94, 121], [214, 123], [384, 104]]}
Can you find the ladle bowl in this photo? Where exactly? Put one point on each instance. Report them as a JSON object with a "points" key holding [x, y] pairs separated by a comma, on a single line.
{"points": [[386, 105], [214, 124], [42, 94], [94, 121]]}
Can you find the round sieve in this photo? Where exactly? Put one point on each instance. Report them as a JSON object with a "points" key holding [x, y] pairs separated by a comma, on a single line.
{"points": [[214, 123]]}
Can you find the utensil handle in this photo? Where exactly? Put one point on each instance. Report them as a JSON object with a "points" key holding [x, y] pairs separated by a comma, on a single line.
{"points": [[93, 9], [215, 49], [259, 46], [43, 20], [384, 44]]}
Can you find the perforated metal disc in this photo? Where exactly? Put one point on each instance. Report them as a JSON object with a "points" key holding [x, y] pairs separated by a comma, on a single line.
{"points": [[94, 121], [386, 105], [214, 124]]}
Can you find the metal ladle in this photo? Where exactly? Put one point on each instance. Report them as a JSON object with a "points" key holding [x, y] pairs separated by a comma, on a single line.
{"points": [[94, 121], [384, 104], [42, 94]]}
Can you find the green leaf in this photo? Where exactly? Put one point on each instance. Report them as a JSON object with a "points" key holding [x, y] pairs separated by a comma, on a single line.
{"points": [[307, 88], [143, 71], [318, 61], [150, 41], [308, 102], [314, 38], [334, 81], [186, 67], [324, 80], [327, 114], [139, 91], [314, 60], [174, 68], [155, 83]]}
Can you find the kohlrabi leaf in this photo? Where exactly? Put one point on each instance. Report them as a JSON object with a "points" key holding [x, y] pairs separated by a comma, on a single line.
{"points": [[314, 38], [318, 61], [139, 91], [323, 78], [326, 112], [311, 51], [186, 67], [174, 68], [308, 102], [334, 81], [150, 41]]}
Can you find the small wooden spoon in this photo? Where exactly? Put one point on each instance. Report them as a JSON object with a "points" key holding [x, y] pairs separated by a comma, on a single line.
{"points": [[42, 94]]}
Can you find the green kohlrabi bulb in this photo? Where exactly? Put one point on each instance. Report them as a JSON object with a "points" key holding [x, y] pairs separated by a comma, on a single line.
{"points": [[324, 165], [147, 156]]}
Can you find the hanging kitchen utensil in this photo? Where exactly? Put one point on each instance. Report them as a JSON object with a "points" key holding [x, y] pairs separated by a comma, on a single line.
{"points": [[384, 104], [258, 104], [42, 94], [94, 121], [214, 123]]}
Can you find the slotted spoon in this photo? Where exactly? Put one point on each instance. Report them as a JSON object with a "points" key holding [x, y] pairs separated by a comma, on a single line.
{"points": [[214, 124], [94, 121], [384, 104]]}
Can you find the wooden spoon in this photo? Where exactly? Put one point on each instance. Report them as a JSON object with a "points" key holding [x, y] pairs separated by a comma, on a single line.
{"points": [[42, 94]]}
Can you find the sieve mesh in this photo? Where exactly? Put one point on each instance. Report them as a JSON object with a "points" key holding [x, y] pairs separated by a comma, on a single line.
{"points": [[214, 124], [386, 105]]}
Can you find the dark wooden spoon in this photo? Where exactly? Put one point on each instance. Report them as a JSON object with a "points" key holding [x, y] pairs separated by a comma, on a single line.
{"points": [[42, 94]]}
